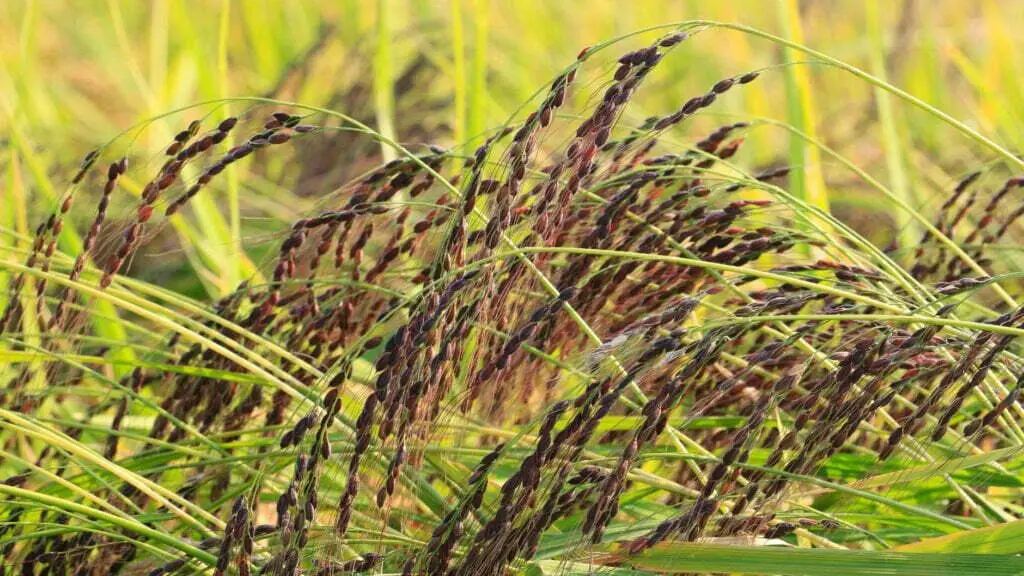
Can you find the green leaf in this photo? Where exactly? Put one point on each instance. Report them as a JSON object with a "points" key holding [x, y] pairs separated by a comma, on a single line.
{"points": [[935, 468], [705, 558], [1005, 538]]}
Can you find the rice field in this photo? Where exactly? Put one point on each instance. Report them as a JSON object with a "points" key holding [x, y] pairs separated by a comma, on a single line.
{"points": [[539, 288]]}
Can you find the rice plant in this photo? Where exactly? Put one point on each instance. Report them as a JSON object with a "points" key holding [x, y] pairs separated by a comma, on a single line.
{"points": [[580, 342]]}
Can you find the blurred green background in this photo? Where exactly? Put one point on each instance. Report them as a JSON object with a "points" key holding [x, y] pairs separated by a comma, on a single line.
{"points": [[75, 73]]}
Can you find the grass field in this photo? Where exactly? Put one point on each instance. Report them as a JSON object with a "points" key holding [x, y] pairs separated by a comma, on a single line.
{"points": [[531, 287]]}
